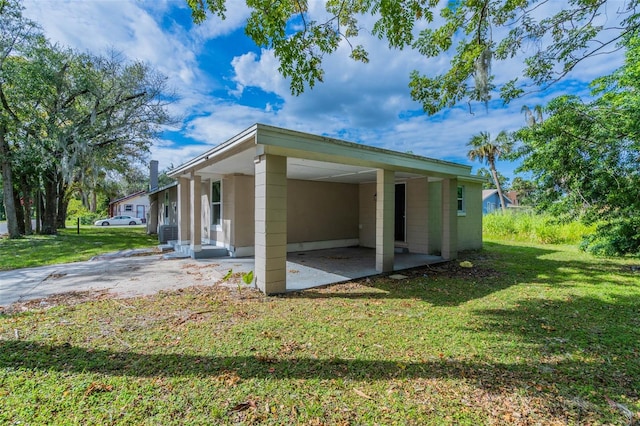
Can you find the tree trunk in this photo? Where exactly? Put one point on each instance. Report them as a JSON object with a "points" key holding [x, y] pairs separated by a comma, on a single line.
{"points": [[94, 201], [50, 205], [19, 211], [38, 210], [26, 196], [7, 186], [494, 173], [63, 203]]}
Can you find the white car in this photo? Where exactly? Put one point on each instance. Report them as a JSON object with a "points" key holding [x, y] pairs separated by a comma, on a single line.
{"points": [[119, 220]]}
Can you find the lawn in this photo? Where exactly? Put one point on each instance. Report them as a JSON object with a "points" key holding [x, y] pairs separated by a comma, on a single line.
{"points": [[531, 334], [69, 246]]}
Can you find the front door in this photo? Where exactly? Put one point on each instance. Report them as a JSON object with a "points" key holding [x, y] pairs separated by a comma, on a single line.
{"points": [[140, 212], [400, 212]]}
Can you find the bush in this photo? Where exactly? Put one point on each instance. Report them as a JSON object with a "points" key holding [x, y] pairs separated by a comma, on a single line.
{"points": [[76, 210], [618, 237], [534, 228]]}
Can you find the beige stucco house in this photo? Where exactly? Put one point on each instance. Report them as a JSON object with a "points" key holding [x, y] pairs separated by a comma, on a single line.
{"points": [[268, 191]]}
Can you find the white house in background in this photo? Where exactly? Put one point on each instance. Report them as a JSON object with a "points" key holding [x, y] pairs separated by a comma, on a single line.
{"points": [[136, 205], [268, 191]]}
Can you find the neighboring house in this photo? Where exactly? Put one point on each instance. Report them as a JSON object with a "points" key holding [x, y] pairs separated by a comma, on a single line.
{"points": [[268, 191], [491, 200], [136, 205]]}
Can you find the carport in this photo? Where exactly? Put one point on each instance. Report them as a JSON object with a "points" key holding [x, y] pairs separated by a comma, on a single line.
{"points": [[270, 192]]}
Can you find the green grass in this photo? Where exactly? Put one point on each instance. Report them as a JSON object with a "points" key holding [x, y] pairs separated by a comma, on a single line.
{"points": [[531, 334], [533, 228], [68, 246]]}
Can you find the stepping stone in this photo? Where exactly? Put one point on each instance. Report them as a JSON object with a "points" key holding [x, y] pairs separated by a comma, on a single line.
{"points": [[398, 277]]}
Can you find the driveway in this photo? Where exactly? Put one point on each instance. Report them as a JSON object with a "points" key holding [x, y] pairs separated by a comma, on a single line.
{"points": [[136, 273]]}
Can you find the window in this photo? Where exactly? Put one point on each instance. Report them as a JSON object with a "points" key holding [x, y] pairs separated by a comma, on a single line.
{"points": [[461, 203], [166, 207], [216, 203], [128, 207]]}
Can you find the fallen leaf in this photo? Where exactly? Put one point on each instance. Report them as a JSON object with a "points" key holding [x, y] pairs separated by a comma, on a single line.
{"points": [[97, 387], [244, 406], [362, 394]]}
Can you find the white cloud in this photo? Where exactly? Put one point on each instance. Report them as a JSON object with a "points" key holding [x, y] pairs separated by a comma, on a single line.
{"points": [[258, 71], [368, 103]]}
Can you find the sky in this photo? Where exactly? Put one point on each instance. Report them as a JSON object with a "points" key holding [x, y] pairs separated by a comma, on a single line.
{"points": [[225, 83]]}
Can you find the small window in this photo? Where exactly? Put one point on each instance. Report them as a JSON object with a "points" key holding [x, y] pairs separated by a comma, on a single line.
{"points": [[216, 203], [128, 207], [461, 200]]}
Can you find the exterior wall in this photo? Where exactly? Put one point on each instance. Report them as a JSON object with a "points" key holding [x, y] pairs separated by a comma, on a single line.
{"points": [[140, 206], [225, 234], [169, 206], [244, 211], [434, 212], [321, 211], [417, 215], [470, 224], [367, 215]]}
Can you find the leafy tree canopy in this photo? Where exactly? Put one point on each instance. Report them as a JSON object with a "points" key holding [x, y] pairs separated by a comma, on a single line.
{"points": [[584, 156], [477, 33]]}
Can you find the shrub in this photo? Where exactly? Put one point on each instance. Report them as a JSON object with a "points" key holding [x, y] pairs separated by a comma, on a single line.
{"points": [[534, 228], [615, 238], [76, 210]]}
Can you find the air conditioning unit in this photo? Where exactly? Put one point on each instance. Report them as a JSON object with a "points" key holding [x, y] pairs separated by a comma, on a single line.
{"points": [[167, 233]]}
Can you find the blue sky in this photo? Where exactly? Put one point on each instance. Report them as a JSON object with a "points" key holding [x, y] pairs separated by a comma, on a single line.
{"points": [[226, 84]]}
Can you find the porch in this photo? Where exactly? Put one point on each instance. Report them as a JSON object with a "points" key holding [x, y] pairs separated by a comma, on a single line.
{"points": [[316, 268]]}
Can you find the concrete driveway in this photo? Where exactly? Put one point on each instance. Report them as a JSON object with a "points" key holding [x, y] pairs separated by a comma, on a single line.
{"points": [[135, 273]]}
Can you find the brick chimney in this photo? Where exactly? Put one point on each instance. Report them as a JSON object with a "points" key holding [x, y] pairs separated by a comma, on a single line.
{"points": [[153, 175]]}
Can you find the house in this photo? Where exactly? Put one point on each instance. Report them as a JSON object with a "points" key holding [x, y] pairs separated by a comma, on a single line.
{"points": [[268, 191], [136, 205], [491, 200]]}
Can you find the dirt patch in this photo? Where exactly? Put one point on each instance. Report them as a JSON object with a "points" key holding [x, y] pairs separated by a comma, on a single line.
{"points": [[454, 270], [69, 298]]}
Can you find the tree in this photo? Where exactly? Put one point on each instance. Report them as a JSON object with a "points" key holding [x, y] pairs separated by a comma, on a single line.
{"points": [[525, 190], [489, 181], [66, 117], [488, 151], [16, 35], [584, 157], [477, 33], [533, 116]]}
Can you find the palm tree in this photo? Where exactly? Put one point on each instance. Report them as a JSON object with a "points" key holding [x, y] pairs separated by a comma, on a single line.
{"points": [[488, 151]]}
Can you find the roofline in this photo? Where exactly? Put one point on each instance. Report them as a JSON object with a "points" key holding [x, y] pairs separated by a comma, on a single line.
{"points": [[267, 136], [245, 134], [126, 197], [162, 188]]}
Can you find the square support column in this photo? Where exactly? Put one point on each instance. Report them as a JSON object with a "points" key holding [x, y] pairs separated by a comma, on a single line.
{"points": [[271, 223], [449, 218], [184, 205], [385, 216], [195, 213]]}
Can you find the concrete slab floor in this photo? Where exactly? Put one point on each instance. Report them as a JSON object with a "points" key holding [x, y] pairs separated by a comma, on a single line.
{"points": [[316, 268]]}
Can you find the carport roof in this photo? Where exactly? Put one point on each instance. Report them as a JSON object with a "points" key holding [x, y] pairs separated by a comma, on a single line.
{"points": [[313, 157]]}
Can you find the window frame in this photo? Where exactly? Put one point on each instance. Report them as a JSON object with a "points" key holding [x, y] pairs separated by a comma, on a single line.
{"points": [[461, 201], [218, 204]]}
